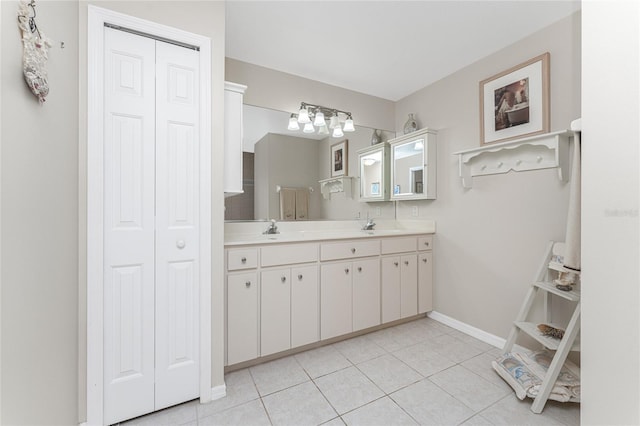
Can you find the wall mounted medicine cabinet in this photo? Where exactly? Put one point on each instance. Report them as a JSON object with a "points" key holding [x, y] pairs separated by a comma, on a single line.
{"points": [[374, 172], [413, 166]]}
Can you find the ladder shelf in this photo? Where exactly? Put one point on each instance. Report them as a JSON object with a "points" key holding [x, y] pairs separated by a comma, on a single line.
{"points": [[543, 283]]}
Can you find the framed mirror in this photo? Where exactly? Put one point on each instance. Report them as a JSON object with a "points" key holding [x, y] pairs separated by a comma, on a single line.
{"points": [[374, 172], [413, 166]]}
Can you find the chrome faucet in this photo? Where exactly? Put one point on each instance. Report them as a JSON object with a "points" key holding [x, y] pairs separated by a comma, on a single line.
{"points": [[369, 226], [273, 228]]}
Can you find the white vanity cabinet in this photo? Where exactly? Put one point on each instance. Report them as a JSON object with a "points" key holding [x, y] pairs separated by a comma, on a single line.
{"points": [[288, 295], [374, 172], [425, 274], [349, 296], [399, 278], [242, 317]]}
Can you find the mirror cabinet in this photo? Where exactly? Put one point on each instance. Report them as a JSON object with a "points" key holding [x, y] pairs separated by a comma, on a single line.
{"points": [[413, 166], [374, 172]]}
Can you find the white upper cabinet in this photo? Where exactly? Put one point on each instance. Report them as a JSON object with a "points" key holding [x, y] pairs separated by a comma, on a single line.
{"points": [[413, 166], [374, 172], [233, 96]]}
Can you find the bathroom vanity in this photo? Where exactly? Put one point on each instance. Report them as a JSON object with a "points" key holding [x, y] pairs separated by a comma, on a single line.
{"points": [[300, 287]]}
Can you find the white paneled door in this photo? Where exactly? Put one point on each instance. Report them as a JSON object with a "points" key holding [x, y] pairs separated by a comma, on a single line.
{"points": [[151, 225]]}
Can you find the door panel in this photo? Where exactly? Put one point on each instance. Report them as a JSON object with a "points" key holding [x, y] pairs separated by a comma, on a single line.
{"points": [[366, 293], [335, 299], [305, 320], [275, 311], [129, 190], [408, 286], [390, 288], [177, 225]]}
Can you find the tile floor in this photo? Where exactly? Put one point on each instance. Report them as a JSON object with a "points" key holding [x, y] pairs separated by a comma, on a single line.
{"points": [[421, 372]]}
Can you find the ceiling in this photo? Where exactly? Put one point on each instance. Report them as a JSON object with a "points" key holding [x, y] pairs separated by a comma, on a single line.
{"points": [[387, 49]]}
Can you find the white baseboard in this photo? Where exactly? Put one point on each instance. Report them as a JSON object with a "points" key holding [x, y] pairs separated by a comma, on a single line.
{"points": [[472, 331], [218, 392]]}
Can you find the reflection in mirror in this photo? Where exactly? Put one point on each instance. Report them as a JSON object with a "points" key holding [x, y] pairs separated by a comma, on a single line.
{"points": [[294, 162], [408, 168]]}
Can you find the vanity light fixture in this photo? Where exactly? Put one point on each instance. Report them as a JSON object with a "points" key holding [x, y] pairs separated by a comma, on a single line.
{"points": [[316, 116]]}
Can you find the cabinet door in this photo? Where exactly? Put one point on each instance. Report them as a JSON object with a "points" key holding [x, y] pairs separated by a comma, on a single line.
{"points": [[390, 288], [335, 299], [366, 293], [275, 311], [305, 306], [242, 317], [425, 282], [408, 285]]}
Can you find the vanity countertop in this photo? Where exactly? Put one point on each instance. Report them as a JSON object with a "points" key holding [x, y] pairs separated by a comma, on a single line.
{"points": [[245, 233]]}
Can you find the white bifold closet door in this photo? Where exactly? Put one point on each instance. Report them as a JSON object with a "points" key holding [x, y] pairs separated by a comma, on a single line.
{"points": [[151, 244]]}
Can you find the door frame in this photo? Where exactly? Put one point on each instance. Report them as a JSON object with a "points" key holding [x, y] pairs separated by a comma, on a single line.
{"points": [[97, 17]]}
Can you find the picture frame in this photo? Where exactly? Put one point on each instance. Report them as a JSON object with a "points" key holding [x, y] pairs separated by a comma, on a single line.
{"points": [[396, 189], [339, 159], [375, 188], [515, 102]]}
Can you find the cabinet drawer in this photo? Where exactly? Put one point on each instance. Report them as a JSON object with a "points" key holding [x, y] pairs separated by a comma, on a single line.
{"points": [[288, 254], [398, 245], [425, 243], [242, 259], [349, 249]]}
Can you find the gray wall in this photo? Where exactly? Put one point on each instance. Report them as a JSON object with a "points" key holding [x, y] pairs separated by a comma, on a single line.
{"points": [[499, 229], [40, 225], [44, 215]]}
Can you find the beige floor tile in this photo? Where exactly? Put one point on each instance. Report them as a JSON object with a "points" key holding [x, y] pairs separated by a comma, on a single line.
{"points": [[511, 411], [359, 349], [389, 373], [249, 413], [348, 389], [383, 411], [481, 365], [423, 359], [303, 404], [430, 405], [452, 348], [322, 361], [178, 415], [240, 389], [277, 375], [469, 388]]}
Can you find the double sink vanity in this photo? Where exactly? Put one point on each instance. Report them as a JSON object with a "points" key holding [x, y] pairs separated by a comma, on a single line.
{"points": [[314, 282]]}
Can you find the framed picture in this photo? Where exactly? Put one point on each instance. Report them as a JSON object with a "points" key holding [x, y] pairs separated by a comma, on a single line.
{"points": [[375, 188], [396, 189], [339, 159], [515, 103]]}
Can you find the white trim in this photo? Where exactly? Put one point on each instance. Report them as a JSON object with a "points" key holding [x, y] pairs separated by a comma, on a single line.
{"points": [[95, 54], [472, 331], [218, 392], [0, 215]]}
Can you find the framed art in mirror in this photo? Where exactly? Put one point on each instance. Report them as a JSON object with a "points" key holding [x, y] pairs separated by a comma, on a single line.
{"points": [[339, 159]]}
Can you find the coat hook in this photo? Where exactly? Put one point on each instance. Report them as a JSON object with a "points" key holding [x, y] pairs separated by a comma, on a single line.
{"points": [[62, 45]]}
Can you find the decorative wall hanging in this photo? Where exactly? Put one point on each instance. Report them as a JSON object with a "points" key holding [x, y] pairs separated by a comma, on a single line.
{"points": [[339, 158], [35, 47], [515, 103]]}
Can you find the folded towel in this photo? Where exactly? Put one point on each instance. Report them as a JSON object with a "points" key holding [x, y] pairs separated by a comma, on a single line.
{"points": [[302, 203], [525, 373], [287, 204]]}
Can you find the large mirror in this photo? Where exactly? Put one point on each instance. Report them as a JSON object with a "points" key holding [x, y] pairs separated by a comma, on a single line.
{"points": [[279, 164], [413, 166]]}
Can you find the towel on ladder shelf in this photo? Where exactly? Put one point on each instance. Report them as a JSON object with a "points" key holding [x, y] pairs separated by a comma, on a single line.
{"points": [[287, 204]]}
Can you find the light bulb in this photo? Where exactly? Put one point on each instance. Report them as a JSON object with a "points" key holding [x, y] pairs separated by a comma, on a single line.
{"points": [[293, 123], [348, 125], [337, 132], [418, 146], [319, 120], [303, 116], [308, 128], [322, 130], [333, 122]]}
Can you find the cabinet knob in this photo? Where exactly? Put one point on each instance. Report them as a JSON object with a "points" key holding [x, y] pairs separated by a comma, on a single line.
{"points": [[406, 262], [424, 260], [243, 260], [180, 244], [353, 250], [359, 268], [247, 284], [395, 263], [346, 270], [283, 279], [426, 243], [300, 277]]}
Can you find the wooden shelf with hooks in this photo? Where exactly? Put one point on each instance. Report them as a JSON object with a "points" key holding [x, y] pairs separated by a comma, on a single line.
{"points": [[550, 150]]}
